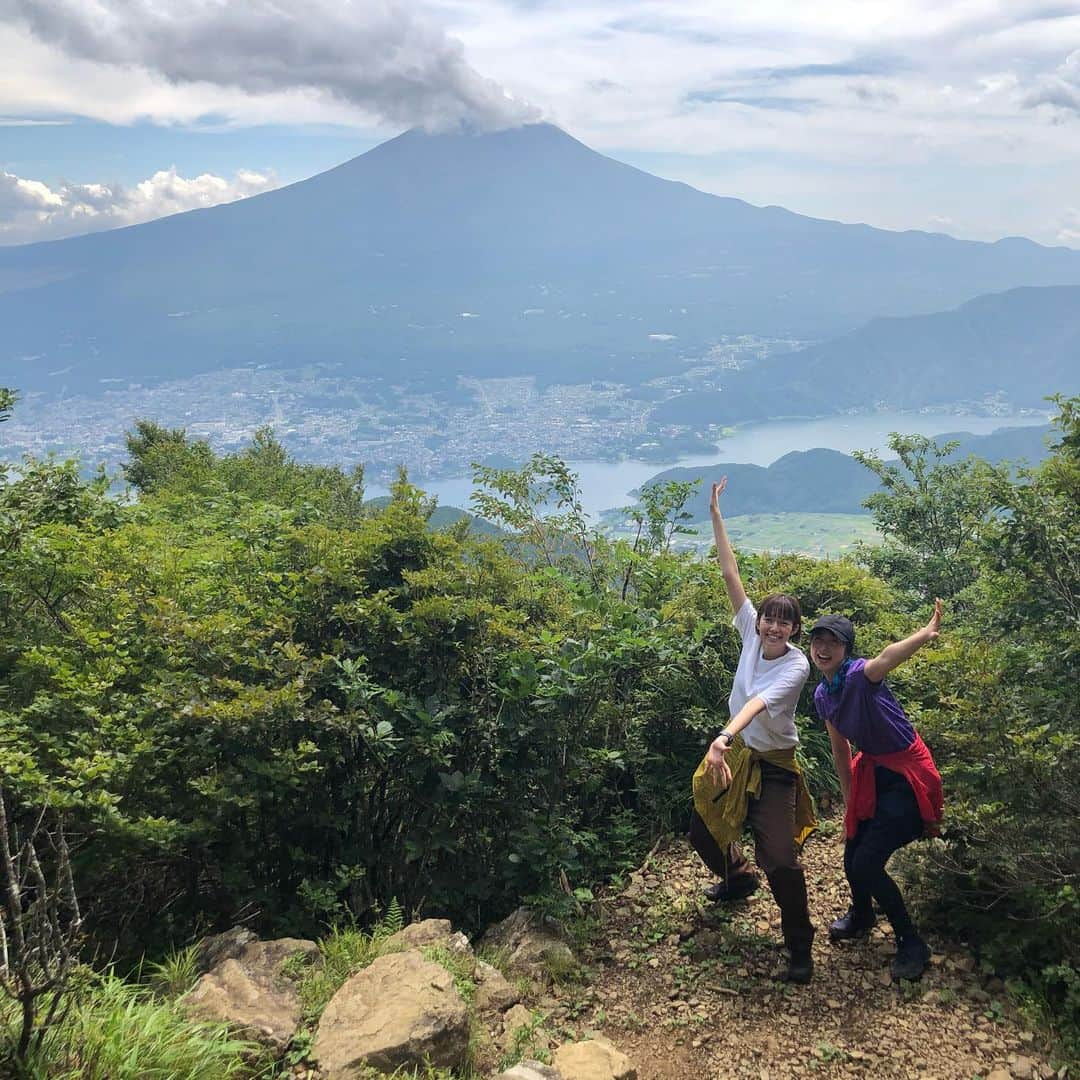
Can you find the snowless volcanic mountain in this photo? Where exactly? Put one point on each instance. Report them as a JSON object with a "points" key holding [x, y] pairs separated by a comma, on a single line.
{"points": [[516, 252]]}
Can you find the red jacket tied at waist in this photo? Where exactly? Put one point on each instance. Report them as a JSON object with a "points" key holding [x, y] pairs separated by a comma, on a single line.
{"points": [[916, 765]]}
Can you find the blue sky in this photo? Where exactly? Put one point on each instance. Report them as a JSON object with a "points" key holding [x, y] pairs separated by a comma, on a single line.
{"points": [[962, 117]]}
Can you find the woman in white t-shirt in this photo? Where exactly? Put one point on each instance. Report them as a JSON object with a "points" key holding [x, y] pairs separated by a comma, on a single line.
{"points": [[750, 774]]}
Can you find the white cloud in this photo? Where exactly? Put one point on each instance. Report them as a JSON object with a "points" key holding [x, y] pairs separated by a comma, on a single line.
{"points": [[30, 210], [380, 56], [893, 112], [1059, 89], [22, 121], [1068, 232]]}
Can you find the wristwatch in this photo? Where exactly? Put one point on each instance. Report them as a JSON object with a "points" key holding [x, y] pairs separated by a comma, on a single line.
{"points": [[727, 737]]}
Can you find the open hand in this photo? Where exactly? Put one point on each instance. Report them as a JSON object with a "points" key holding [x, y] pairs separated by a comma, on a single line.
{"points": [[716, 765], [717, 491], [933, 627]]}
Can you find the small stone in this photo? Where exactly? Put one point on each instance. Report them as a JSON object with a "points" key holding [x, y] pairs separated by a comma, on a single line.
{"points": [[1023, 1068], [595, 1059], [529, 1070], [516, 1017], [492, 989]]}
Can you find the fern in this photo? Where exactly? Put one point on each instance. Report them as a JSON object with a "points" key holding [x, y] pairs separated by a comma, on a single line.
{"points": [[392, 921]]}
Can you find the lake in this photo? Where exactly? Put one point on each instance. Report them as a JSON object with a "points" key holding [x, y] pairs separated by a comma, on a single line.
{"points": [[605, 484]]}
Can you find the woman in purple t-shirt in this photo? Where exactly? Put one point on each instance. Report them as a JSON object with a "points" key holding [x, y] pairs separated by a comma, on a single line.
{"points": [[892, 790]]}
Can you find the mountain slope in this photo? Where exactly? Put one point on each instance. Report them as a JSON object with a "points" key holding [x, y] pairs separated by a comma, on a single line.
{"points": [[520, 251], [1023, 344], [828, 482]]}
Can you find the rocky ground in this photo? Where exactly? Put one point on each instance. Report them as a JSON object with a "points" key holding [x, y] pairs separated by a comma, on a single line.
{"points": [[687, 989], [663, 986]]}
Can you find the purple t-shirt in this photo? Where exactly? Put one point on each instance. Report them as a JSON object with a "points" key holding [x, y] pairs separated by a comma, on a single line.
{"points": [[865, 713]]}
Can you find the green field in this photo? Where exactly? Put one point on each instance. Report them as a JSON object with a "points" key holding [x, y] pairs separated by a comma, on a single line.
{"points": [[820, 535]]}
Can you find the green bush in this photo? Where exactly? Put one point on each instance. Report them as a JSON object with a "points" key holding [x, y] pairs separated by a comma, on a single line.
{"points": [[996, 703], [249, 690], [237, 705]]}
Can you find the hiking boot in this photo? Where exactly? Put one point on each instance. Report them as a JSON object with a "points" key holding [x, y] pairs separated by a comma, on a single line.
{"points": [[912, 956], [727, 891], [800, 967], [852, 926]]}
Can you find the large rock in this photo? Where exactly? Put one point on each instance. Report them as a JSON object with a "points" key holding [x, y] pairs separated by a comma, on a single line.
{"points": [[217, 948], [530, 1070], [252, 992], [593, 1059], [532, 944], [493, 992], [401, 1010], [433, 933]]}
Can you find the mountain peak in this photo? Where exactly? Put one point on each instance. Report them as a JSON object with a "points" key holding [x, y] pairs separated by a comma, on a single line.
{"points": [[539, 145], [504, 252]]}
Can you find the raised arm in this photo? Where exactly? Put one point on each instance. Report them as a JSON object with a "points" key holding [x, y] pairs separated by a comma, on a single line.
{"points": [[736, 592], [895, 654]]}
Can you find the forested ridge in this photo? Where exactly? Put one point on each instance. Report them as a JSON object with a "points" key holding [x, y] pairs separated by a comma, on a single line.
{"points": [[247, 694]]}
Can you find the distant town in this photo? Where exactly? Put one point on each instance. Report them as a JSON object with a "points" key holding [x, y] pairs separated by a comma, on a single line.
{"points": [[431, 428]]}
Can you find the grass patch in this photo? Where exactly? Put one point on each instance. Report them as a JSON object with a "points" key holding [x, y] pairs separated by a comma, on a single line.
{"points": [[174, 976], [344, 952], [819, 535], [528, 1041], [120, 1031]]}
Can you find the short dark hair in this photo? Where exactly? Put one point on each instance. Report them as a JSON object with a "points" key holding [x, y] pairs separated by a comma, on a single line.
{"points": [[782, 606]]}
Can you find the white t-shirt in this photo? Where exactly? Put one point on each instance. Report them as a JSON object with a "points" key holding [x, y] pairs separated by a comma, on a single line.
{"points": [[777, 682]]}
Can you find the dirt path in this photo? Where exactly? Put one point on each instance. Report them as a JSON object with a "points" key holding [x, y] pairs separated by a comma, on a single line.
{"points": [[686, 989]]}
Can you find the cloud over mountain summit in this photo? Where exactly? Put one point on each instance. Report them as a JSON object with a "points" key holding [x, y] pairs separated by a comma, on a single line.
{"points": [[377, 55]]}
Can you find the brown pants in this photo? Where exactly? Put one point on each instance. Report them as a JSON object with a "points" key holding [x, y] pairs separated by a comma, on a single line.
{"points": [[772, 821]]}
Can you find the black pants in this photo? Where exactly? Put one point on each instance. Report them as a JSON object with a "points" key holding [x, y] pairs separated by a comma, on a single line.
{"points": [[772, 821], [896, 822]]}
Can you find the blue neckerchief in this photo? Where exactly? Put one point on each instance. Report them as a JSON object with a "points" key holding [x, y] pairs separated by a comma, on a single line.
{"points": [[835, 685]]}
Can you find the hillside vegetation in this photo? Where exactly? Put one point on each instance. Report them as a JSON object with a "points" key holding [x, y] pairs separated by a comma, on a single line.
{"points": [[822, 481], [248, 693], [1015, 346]]}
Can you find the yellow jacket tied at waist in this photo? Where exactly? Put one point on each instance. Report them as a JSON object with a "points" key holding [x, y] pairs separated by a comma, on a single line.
{"points": [[724, 811]]}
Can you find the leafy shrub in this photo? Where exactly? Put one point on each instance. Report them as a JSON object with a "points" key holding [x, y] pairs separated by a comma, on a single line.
{"points": [[249, 690], [995, 702]]}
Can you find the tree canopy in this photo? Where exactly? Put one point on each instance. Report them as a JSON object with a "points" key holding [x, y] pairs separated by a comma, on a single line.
{"points": [[248, 690]]}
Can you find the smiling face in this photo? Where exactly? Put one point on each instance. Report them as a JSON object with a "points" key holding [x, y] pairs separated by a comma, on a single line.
{"points": [[827, 652], [779, 621], [775, 633]]}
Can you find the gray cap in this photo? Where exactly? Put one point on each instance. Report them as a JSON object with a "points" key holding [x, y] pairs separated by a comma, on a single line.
{"points": [[838, 626]]}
